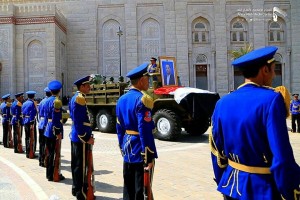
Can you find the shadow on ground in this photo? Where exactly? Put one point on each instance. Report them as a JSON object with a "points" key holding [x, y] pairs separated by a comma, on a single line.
{"points": [[108, 188], [184, 137]]}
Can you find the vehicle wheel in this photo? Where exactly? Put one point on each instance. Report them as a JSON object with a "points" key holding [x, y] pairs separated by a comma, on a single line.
{"points": [[106, 121], [168, 126], [198, 127], [92, 120]]}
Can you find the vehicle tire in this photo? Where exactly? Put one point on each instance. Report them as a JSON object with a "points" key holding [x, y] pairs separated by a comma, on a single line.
{"points": [[92, 120], [168, 125], [106, 122], [198, 127]]}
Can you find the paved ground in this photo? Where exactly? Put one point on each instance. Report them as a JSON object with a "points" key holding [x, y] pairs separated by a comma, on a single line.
{"points": [[183, 171]]}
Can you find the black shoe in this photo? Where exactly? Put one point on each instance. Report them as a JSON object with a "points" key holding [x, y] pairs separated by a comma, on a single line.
{"points": [[79, 196], [50, 179], [61, 177], [74, 193]]}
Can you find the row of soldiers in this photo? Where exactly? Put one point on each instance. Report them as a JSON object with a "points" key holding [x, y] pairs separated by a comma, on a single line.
{"points": [[17, 114]]}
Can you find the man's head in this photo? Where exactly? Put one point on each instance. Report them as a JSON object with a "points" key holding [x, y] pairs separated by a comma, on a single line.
{"points": [[84, 84], [6, 98], [258, 65], [30, 94], [168, 69], [47, 91], [20, 96], [139, 77], [296, 96], [55, 86], [153, 60]]}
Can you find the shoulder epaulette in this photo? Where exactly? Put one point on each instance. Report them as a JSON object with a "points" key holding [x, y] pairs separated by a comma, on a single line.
{"points": [[286, 97], [19, 104], [147, 100], [80, 99], [57, 103]]}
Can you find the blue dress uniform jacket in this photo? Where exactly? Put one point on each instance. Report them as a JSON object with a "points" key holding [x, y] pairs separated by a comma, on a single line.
{"points": [[53, 113], [81, 127], [152, 68], [295, 107], [134, 126], [29, 111], [5, 111], [42, 119], [16, 111], [258, 139]]}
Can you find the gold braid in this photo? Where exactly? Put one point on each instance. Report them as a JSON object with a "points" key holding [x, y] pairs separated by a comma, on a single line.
{"points": [[215, 152]]}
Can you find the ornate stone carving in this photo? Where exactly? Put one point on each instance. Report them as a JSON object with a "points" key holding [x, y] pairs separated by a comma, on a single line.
{"points": [[111, 68], [111, 49], [150, 39], [4, 44], [36, 66], [35, 50], [111, 55]]}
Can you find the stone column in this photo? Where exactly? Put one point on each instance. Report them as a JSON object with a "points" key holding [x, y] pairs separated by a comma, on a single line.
{"points": [[131, 35], [295, 48], [221, 80], [182, 41]]}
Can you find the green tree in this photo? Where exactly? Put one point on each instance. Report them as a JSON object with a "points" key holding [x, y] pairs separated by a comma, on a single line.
{"points": [[241, 51]]}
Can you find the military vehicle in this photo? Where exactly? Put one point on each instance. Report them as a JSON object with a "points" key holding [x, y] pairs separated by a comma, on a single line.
{"points": [[192, 112]]}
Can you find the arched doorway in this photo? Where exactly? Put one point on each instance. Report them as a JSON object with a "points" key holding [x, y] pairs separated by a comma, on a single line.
{"points": [[201, 72]]}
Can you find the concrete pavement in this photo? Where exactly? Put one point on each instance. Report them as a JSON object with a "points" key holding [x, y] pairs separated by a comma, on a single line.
{"points": [[183, 170]]}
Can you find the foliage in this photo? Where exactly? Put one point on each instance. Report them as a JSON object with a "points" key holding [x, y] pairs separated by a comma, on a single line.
{"points": [[97, 78], [242, 51]]}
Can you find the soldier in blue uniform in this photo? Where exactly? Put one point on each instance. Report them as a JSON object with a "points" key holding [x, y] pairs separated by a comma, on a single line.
{"points": [[251, 154], [153, 66], [17, 121], [54, 127], [81, 135], [134, 130], [295, 111], [41, 126], [29, 111], [6, 118]]}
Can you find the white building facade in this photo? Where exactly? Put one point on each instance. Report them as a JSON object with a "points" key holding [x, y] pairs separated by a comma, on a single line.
{"points": [[65, 40]]}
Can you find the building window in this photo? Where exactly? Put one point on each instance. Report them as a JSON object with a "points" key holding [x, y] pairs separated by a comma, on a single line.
{"points": [[238, 31], [276, 33], [200, 33]]}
